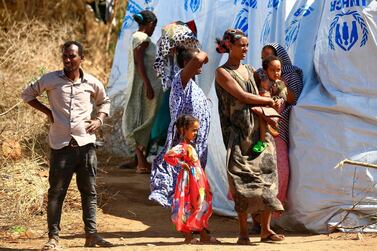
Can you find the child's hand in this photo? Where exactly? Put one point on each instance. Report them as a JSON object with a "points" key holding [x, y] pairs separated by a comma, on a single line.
{"points": [[278, 104]]}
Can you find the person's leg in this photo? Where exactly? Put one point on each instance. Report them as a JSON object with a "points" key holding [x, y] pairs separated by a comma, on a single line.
{"points": [[258, 111], [282, 168], [270, 122], [189, 239], [60, 175], [255, 228], [262, 128], [86, 172], [206, 238], [243, 238], [142, 165], [256, 218], [261, 143], [265, 223], [266, 232], [241, 206], [274, 129]]}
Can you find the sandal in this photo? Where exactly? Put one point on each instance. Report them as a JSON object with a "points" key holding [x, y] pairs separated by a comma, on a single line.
{"points": [[192, 241], [272, 238], [211, 240], [51, 244], [244, 241], [96, 240]]}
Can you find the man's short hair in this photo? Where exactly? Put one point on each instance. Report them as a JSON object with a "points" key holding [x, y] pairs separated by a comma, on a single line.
{"points": [[67, 44]]}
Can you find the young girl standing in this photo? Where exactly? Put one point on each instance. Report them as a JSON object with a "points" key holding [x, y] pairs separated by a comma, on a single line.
{"points": [[192, 200]]}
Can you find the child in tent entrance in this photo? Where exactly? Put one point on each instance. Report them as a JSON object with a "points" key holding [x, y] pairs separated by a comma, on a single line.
{"points": [[276, 89], [192, 201]]}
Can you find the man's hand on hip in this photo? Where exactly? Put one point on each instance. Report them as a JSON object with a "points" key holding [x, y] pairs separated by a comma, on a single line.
{"points": [[92, 125]]}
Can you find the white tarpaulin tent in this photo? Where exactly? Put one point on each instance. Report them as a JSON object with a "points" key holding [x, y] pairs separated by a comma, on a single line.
{"points": [[335, 117]]}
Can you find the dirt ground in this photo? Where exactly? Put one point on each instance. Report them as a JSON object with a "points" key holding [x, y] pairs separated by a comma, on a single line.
{"points": [[132, 222]]}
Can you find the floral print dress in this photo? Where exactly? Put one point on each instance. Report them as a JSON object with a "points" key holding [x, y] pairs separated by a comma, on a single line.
{"points": [[192, 200]]}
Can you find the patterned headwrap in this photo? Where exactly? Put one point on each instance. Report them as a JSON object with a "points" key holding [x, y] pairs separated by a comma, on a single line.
{"points": [[174, 35]]}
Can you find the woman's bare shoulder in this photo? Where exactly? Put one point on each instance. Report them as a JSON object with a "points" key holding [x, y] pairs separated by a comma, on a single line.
{"points": [[222, 71]]}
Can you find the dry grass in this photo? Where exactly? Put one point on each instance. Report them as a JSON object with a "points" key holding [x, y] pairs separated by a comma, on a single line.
{"points": [[31, 33], [24, 185], [27, 49]]}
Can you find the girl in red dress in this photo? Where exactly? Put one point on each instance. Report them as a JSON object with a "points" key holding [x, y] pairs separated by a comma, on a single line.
{"points": [[192, 202]]}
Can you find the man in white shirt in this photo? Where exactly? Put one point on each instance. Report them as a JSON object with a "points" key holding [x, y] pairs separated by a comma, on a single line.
{"points": [[71, 95]]}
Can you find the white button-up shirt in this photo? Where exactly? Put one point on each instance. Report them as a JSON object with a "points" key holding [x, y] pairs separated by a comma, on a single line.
{"points": [[71, 104]]}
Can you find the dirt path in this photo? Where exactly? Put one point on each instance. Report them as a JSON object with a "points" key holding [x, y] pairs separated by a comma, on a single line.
{"points": [[132, 222]]}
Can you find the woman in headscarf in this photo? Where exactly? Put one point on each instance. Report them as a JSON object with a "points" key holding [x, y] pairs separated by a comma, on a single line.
{"points": [[144, 89], [293, 78]]}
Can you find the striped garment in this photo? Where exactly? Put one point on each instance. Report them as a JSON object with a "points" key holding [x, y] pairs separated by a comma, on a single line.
{"points": [[293, 78]]}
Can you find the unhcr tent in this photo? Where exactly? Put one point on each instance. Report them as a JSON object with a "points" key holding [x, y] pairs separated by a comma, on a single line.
{"points": [[334, 42]]}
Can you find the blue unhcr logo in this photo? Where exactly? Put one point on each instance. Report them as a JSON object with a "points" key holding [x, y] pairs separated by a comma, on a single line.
{"points": [[340, 5], [266, 29], [346, 26], [303, 11], [247, 3], [291, 33], [241, 21], [194, 5], [273, 4], [132, 8], [293, 29]]}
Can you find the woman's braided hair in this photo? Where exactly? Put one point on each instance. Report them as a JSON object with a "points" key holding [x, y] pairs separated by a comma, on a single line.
{"points": [[231, 35]]}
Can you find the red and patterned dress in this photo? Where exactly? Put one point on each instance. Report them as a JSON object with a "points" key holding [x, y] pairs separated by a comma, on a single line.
{"points": [[192, 201]]}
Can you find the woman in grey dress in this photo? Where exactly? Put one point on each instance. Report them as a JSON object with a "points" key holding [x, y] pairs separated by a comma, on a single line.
{"points": [[253, 180], [144, 90]]}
